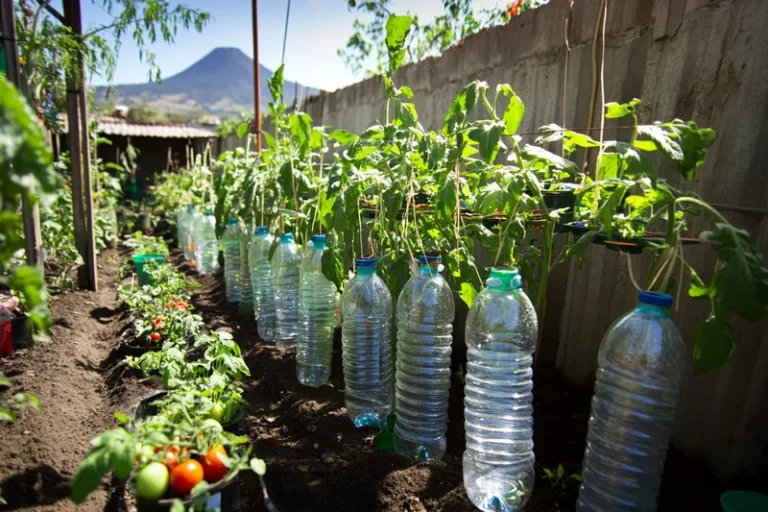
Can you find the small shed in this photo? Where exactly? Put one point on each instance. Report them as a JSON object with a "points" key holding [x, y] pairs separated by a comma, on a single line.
{"points": [[160, 146]]}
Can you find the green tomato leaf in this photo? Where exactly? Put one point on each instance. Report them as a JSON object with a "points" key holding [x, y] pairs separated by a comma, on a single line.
{"points": [[445, 205], [397, 30], [89, 473], [462, 106], [487, 136], [332, 265], [714, 343], [342, 136], [619, 110], [742, 281], [467, 293], [608, 208], [122, 458], [242, 129], [661, 139], [513, 116]]}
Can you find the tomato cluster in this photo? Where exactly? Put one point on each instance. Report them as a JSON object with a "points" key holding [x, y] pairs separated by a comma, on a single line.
{"points": [[180, 472]]}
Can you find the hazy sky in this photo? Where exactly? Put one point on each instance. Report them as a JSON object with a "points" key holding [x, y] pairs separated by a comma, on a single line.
{"points": [[317, 28]]}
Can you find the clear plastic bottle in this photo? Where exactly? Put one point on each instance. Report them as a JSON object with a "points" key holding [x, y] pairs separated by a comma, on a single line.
{"points": [[246, 291], [501, 334], [190, 220], [230, 244], [207, 246], [366, 338], [285, 284], [261, 283], [640, 365], [425, 311], [317, 319], [180, 215]]}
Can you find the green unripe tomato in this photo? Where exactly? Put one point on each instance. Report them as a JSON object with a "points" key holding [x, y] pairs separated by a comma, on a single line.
{"points": [[217, 412], [152, 481], [213, 425]]}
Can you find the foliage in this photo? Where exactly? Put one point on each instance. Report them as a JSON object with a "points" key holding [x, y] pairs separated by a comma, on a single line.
{"points": [[146, 244], [201, 372], [457, 22], [25, 172], [50, 52], [10, 406], [557, 477]]}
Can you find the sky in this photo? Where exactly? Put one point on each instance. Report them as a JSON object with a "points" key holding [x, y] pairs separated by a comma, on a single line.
{"points": [[316, 30]]}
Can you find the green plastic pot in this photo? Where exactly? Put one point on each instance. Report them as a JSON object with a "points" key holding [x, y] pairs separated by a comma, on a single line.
{"points": [[139, 260], [744, 501]]}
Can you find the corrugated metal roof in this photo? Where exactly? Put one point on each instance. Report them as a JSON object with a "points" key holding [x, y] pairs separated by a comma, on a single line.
{"points": [[121, 127], [165, 131]]}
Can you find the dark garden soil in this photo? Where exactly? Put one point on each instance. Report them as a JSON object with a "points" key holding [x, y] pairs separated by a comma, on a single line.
{"points": [[78, 382], [316, 459]]}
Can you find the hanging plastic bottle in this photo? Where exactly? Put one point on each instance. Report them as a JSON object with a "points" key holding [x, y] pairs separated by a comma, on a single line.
{"points": [[230, 244], [366, 338], [285, 284], [246, 291], [207, 246], [501, 334], [190, 221], [425, 311], [261, 283], [640, 365], [317, 318]]}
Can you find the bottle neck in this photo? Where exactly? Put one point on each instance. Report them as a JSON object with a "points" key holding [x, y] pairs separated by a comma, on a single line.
{"points": [[660, 311], [429, 270], [366, 272]]}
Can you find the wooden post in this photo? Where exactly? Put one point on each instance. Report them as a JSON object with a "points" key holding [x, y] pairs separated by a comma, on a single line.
{"points": [[33, 244], [256, 76], [82, 201]]}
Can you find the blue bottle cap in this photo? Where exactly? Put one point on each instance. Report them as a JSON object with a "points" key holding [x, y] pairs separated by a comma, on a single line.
{"points": [[656, 299], [428, 259], [262, 230], [232, 220], [286, 238], [365, 262], [318, 239]]}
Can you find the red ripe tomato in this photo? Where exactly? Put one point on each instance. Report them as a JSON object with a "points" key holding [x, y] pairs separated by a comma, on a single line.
{"points": [[186, 476], [213, 464], [155, 336], [171, 459]]}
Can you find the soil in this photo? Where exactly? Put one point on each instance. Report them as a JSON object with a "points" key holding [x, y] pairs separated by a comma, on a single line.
{"points": [[315, 458]]}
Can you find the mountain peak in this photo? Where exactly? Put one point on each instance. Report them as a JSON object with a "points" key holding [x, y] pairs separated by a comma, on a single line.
{"points": [[219, 83]]}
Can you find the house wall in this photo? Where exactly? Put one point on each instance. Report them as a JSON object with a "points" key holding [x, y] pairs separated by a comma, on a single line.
{"points": [[705, 60]]}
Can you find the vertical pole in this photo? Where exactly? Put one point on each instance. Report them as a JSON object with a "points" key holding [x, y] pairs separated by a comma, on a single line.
{"points": [[256, 76], [77, 153], [33, 244], [90, 231]]}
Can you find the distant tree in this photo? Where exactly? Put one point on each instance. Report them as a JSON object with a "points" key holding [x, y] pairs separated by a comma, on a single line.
{"points": [[50, 52], [145, 114], [457, 22]]}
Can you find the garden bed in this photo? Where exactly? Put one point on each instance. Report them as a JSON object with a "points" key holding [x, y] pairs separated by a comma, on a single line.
{"points": [[313, 453]]}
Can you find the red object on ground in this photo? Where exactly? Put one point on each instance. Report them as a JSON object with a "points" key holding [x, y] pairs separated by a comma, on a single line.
{"points": [[6, 338]]}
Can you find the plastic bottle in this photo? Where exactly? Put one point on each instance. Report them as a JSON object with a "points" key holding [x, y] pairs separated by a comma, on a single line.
{"points": [[230, 244], [246, 291], [425, 311], [640, 365], [366, 338], [317, 319], [207, 246], [285, 284], [180, 215], [190, 220], [261, 283], [501, 334]]}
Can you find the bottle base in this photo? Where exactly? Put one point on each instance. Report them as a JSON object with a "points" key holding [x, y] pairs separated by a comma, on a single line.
{"points": [[313, 376], [498, 496], [423, 452], [368, 420]]}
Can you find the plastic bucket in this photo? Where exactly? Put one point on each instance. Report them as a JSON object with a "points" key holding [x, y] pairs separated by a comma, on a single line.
{"points": [[744, 501], [139, 260]]}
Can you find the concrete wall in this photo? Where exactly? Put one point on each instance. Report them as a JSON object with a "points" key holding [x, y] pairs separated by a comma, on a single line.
{"points": [[705, 60]]}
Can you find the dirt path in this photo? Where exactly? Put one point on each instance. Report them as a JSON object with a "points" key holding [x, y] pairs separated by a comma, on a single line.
{"points": [[41, 452]]}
